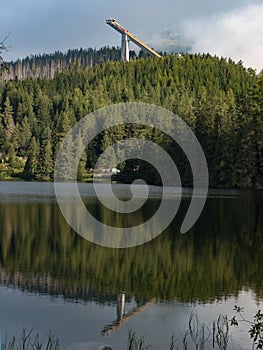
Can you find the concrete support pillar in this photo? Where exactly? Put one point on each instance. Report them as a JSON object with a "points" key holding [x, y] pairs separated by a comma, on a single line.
{"points": [[124, 47]]}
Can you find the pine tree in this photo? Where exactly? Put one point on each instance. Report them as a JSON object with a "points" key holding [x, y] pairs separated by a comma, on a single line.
{"points": [[7, 118], [11, 155], [45, 168], [24, 135], [31, 166]]}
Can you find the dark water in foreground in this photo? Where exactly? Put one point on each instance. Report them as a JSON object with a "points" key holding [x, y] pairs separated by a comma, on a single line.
{"points": [[89, 295]]}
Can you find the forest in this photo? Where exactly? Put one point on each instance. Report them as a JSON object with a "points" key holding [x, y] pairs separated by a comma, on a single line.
{"points": [[46, 65], [221, 100]]}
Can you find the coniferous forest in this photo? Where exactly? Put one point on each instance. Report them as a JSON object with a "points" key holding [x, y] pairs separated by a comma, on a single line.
{"points": [[219, 99], [46, 65]]}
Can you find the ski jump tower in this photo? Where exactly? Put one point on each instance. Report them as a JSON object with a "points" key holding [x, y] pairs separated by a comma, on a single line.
{"points": [[126, 36]]}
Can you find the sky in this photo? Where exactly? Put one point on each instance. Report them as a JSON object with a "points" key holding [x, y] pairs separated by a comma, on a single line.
{"points": [[226, 28]]}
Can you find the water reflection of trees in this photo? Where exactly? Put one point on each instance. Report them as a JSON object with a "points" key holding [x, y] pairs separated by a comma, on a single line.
{"points": [[221, 255]]}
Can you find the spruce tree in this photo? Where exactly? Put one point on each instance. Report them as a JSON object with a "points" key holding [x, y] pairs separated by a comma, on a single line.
{"points": [[31, 166]]}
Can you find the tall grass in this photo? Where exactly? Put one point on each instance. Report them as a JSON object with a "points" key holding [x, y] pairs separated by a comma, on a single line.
{"points": [[27, 341], [136, 343], [198, 336]]}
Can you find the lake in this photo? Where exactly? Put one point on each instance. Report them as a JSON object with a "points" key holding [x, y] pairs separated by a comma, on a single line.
{"points": [[54, 280]]}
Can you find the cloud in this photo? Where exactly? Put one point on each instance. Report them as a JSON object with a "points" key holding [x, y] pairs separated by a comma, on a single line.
{"points": [[170, 41], [237, 34]]}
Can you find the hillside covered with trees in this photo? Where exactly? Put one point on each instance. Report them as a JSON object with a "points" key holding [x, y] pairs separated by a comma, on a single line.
{"points": [[219, 99]]}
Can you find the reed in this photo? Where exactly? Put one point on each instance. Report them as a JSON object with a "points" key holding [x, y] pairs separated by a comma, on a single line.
{"points": [[26, 340]]}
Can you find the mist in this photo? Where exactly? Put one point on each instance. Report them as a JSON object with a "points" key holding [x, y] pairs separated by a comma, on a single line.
{"points": [[237, 34]]}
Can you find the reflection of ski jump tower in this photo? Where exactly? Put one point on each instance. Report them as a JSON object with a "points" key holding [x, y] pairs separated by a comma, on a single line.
{"points": [[125, 37], [120, 306], [122, 317]]}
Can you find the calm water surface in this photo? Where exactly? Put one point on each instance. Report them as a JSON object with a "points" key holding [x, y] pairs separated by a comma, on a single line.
{"points": [[87, 295]]}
